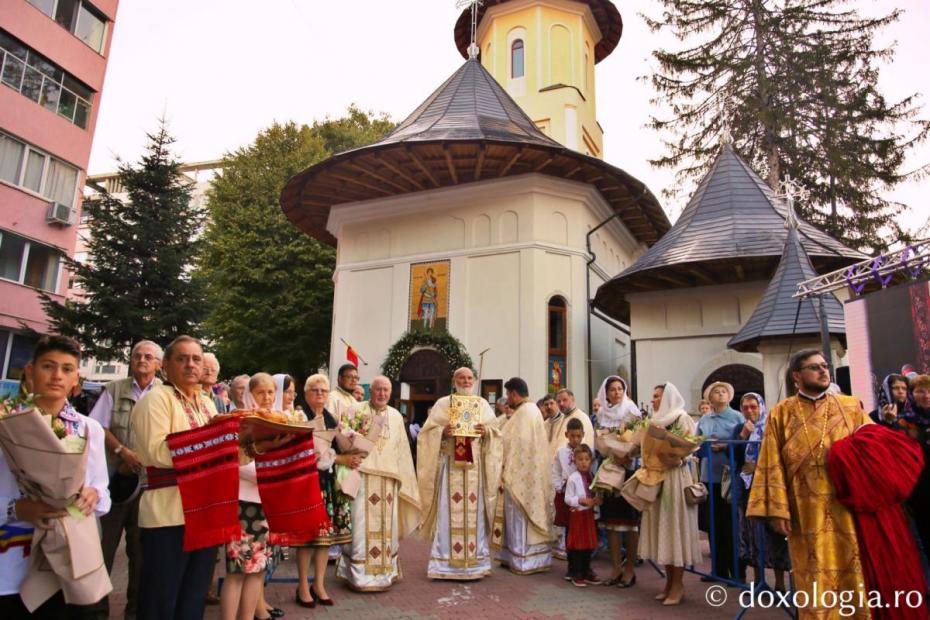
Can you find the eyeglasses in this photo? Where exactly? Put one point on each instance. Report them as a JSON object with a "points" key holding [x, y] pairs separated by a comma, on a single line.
{"points": [[318, 390], [816, 367]]}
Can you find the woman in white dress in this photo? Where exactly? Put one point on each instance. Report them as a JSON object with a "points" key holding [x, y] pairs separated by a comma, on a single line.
{"points": [[669, 531]]}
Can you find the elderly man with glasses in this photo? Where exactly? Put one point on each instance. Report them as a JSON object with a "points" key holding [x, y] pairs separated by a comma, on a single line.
{"points": [[114, 411]]}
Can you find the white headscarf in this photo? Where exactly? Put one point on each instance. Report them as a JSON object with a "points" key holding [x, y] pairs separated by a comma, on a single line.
{"points": [[670, 408], [619, 414], [278, 392]]}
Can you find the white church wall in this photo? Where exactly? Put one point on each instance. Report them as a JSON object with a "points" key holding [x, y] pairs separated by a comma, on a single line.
{"points": [[512, 245]]}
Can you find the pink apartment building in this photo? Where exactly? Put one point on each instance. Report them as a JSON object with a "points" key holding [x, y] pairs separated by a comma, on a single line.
{"points": [[53, 57]]}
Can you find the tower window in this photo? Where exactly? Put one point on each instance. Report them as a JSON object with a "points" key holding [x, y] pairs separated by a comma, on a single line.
{"points": [[517, 69], [558, 345]]}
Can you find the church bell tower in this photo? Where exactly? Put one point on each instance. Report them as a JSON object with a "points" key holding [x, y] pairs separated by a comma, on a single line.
{"points": [[543, 53]]}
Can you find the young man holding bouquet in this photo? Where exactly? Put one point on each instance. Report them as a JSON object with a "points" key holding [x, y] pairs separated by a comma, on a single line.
{"points": [[50, 375]]}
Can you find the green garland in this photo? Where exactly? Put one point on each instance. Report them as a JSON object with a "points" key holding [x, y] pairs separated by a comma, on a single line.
{"points": [[446, 344]]}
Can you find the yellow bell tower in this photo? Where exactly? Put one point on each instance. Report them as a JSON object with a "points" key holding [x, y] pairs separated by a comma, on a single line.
{"points": [[543, 53]]}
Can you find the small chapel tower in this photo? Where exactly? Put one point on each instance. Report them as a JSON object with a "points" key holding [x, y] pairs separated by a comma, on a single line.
{"points": [[543, 53]]}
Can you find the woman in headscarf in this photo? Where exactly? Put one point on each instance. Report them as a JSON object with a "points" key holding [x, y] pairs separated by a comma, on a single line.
{"points": [[616, 411], [338, 504], [755, 538], [893, 401], [669, 527], [285, 396]]}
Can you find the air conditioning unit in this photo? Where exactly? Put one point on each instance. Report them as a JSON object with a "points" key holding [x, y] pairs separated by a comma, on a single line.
{"points": [[60, 214]]}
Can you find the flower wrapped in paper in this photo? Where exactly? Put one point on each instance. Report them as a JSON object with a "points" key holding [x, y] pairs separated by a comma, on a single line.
{"points": [[289, 485], [660, 448], [616, 448], [358, 433], [52, 469]]}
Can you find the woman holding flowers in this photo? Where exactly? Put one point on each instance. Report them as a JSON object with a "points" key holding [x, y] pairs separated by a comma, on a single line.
{"points": [[670, 529], [615, 413], [50, 375]]}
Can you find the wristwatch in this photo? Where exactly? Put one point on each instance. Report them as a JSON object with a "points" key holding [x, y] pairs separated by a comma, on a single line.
{"points": [[119, 449]]}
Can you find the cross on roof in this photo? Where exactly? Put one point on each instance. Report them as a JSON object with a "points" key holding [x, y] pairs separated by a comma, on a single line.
{"points": [[792, 191], [473, 4]]}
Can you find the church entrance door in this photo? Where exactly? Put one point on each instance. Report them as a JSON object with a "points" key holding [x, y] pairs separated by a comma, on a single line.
{"points": [[743, 378], [427, 373]]}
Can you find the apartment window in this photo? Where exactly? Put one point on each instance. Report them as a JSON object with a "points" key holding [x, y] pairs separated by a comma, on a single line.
{"points": [[39, 79], [79, 18], [23, 165], [20, 354], [517, 69], [28, 262]]}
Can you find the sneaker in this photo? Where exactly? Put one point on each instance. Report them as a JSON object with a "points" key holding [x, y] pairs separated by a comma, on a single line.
{"points": [[579, 582], [592, 579], [567, 577]]}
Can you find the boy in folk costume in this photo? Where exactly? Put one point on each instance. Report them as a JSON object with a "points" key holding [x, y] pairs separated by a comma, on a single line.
{"points": [[581, 540], [51, 375], [563, 466], [523, 522], [459, 478]]}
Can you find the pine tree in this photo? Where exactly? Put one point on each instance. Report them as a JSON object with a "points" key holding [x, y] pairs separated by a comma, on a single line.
{"points": [[270, 286], [795, 84], [137, 281]]}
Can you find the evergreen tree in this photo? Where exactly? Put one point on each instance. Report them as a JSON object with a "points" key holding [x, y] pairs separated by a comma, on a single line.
{"points": [[270, 286], [795, 83], [137, 281]]}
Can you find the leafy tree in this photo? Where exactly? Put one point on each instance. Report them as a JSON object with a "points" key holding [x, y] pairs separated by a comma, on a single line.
{"points": [[269, 285], [137, 281], [795, 82]]}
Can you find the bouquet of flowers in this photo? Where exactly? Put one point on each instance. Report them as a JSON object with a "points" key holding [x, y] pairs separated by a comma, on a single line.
{"points": [[660, 447], [616, 445], [358, 431], [50, 465]]}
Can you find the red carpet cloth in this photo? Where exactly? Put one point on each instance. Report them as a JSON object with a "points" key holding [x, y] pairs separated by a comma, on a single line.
{"points": [[289, 485], [206, 466], [874, 471]]}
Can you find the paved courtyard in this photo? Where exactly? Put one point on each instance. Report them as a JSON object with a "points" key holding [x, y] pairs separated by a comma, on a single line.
{"points": [[502, 595]]}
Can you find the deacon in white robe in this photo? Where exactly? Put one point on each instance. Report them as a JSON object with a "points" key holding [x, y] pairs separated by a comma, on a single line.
{"points": [[459, 479], [523, 520], [386, 507]]}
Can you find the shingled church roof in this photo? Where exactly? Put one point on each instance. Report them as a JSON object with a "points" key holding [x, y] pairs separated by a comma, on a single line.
{"points": [[468, 130], [781, 316], [732, 230]]}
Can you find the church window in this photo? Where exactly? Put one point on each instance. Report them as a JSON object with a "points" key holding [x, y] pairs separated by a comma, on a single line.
{"points": [[517, 69], [558, 344]]}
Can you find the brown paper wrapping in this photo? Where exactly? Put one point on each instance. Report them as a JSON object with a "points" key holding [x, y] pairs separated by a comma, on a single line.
{"points": [[67, 557]]}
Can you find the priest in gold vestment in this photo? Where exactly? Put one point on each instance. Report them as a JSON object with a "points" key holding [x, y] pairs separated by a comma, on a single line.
{"points": [[459, 478], [523, 520], [792, 490], [386, 507]]}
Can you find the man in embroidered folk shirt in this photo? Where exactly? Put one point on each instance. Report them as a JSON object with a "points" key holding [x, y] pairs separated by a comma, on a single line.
{"points": [[792, 489], [523, 520], [174, 582], [343, 397], [459, 479], [386, 506], [113, 411], [51, 374]]}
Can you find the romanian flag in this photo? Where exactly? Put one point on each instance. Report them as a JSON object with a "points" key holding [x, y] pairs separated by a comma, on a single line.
{"points": [[351, 356], [12, 536]]}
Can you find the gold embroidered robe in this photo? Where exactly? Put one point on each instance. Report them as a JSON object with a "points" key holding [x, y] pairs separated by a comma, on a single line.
{"points": [[792, 482]]}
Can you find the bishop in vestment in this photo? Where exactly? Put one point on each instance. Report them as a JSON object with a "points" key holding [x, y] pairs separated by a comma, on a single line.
{"points": [[459, 479], [523, 520], [793, 491], [387, 502]]}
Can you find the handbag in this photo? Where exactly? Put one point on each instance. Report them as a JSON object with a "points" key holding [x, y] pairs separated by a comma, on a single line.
{"points": [[696, 492]]}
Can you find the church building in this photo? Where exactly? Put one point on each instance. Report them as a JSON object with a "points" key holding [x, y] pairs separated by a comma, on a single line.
{"points": [[485, 221]]}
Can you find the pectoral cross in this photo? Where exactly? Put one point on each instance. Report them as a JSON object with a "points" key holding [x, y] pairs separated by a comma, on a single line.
{"points": [[473, 4]]}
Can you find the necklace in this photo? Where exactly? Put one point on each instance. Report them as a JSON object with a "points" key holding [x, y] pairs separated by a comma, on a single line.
{"points": [[818, 461]]}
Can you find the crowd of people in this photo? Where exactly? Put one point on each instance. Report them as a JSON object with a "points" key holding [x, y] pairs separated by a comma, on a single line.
{"points": [[516, 484]]}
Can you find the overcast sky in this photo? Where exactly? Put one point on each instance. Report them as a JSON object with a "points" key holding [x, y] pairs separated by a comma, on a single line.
{"points": [[222, 70]]}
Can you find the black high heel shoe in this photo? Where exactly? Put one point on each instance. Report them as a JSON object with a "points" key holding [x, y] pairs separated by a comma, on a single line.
{"points": [[308, 604], [326, 602], [627, 584]]}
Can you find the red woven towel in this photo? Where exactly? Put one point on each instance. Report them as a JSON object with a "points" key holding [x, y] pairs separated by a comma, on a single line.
{"points": [[206, 464], [289, 485]]}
